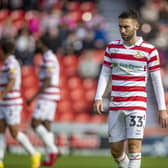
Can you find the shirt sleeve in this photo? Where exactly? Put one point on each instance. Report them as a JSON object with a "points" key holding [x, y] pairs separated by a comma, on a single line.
{"points": [[158, 89], [12, 71], [154, 61], [104, 76], [49, 67]]}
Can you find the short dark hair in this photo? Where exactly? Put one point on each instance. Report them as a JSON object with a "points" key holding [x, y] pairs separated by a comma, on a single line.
{"points": [[7, 45], [130, 13], [43, 39]]}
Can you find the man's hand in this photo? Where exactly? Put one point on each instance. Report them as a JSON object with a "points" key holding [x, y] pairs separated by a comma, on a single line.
{"points": [[98, 106], [163, 118]]}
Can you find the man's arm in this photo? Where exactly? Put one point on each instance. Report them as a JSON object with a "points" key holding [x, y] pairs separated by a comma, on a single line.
{"points": [[160, 97], [46, 82], [7, 88], [102, 84]]}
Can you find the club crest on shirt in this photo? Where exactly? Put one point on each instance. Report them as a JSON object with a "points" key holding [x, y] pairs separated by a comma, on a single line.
{"points": [[139, 55]]}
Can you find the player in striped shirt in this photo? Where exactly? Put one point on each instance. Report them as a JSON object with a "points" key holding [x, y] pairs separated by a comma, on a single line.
{"points": [[48, 95], [11, 103], [129, 62]]}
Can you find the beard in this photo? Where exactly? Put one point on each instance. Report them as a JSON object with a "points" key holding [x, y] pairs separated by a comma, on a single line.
{"points": [[128, 37]]}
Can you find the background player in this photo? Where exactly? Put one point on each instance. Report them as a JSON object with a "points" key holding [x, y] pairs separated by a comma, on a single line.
{"points": [[129, 62], [48, 95], [11, 103]]}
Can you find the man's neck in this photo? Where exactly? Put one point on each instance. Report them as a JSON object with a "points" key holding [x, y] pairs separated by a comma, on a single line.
{"points": [[132, 41]]}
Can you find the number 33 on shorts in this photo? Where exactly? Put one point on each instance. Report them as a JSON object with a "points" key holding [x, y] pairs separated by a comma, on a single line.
{"points": [[136, 125]]}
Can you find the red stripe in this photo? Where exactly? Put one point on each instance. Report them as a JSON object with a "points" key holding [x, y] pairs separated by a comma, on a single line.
{"points": [[128, 78], [107, 55], [128, 108], [129, 88], [141, 48], [55, 86], [123, 158], [131, 98], [3, 85], [6, 105], [12, 91], [51, 93], [48, 60], [154, 68], [107, 63], [155, 58], [128, 57], [115, 46], [135, 159], [11, 98]]}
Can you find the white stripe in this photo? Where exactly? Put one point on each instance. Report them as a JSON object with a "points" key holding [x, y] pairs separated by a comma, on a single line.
{"points": [[154, 53], [14, 101], [13, 94], [127, 94], [153, 63], [107, 59], [128, 103], [127, 52], [128, 83], [52, 89], [114, 42], [133, 62], [52, 97], [147, 45]]}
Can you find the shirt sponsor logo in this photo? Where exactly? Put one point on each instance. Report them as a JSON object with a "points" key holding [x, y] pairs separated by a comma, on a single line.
{"points": [[139, 55]]}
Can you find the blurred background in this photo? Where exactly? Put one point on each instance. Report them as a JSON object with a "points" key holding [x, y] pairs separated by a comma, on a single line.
{"points": [[78, 31]]}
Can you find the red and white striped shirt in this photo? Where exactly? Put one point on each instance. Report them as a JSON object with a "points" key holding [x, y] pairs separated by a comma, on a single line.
{"points": [[50, 68], [130, 67], [11, 69]]}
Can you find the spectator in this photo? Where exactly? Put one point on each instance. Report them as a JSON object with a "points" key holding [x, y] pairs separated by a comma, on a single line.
{"points": [[25, 46], [53, 39], [88, 66]]}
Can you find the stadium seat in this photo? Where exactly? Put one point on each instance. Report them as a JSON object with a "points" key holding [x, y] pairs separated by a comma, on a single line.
{"points": [[70, 64], [98, 118], [62, 140], [90, 95], [64, 107], [87, 6], [37, 60], [89, 84], [29, 82], [27, 70], [74, 82], [82, 118], [79, 106], [75, 15], [4, 14], [73, 5], [67, 117], [17, 15]]}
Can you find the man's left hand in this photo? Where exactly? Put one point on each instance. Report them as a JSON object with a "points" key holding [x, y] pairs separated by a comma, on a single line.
{"points": [[163, 118]]}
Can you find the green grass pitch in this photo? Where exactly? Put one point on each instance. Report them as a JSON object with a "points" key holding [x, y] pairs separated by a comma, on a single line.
{"points": [[22, 161]]}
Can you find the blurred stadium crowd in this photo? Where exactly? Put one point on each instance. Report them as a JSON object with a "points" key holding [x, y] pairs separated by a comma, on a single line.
{"points": [[76, 31]]}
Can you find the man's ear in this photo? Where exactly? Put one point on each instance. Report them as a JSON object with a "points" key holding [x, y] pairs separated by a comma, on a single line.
{"points": [[137, 26]]}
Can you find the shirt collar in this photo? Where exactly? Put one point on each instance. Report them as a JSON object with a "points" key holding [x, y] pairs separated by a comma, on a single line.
{"points": [[138, 43]]}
